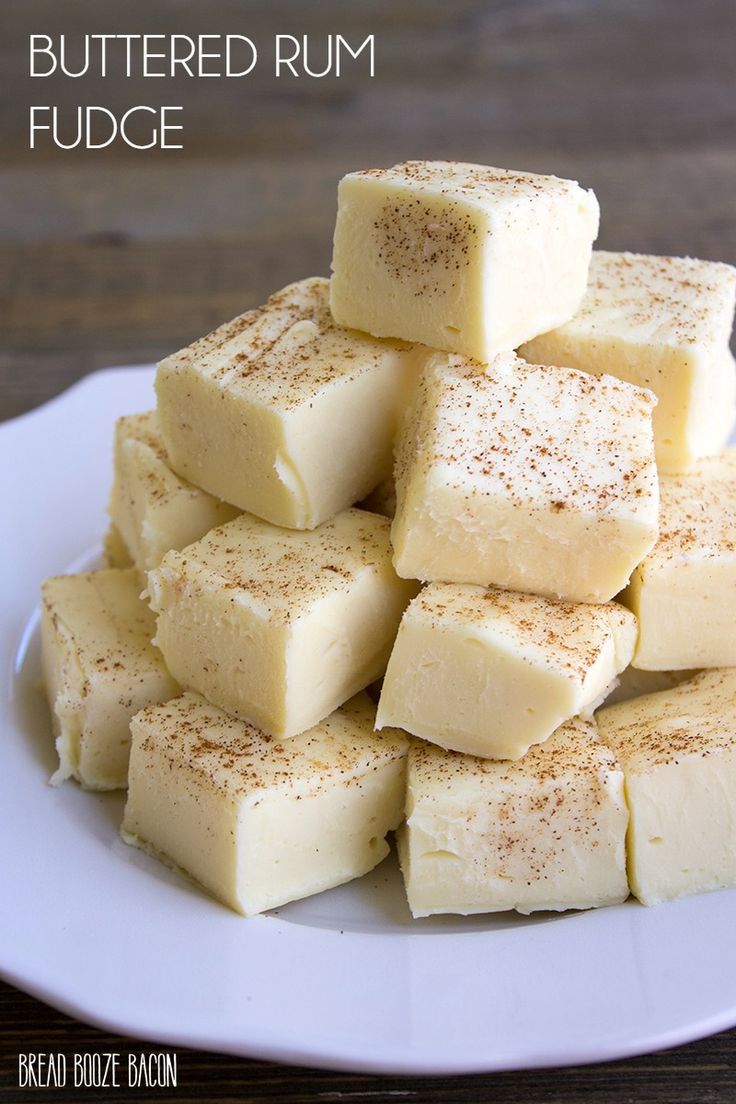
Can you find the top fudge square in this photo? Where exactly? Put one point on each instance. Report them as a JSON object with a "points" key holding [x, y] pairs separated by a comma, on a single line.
{"points": [[460, 257], [281, 412]]}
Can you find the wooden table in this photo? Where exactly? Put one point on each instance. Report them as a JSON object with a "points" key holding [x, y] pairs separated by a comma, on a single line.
{"points": [[119, 257]]}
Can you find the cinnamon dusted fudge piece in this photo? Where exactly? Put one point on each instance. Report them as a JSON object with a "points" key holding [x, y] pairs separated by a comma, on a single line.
{"points": [[491, 672], [460, 257], [530, 477], [256, 822], [282, 412], [545, 832], [152, 508], [684, 591], [678, 752], [662, 323], [99, 668], [279, 626]]}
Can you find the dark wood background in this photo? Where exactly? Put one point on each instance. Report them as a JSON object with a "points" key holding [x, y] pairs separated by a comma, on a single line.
{"points": [[120, 256]]}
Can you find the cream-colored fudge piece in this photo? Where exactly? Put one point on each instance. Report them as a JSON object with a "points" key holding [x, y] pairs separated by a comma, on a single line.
{"points": [[460, 257], [634, 683], [662, 323], [491, 672], [535, 478], [256, 822], [284, 413], [114, 550], [99, 668], [678, 752], [684, 591], [152, 507], [545, 832], [278, 626]]}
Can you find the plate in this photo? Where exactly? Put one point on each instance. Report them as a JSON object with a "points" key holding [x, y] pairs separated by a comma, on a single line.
{"points": [[345, 980]]}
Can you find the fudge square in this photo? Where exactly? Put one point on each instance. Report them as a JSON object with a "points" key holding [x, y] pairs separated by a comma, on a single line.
{"points": [[256, 822], [152, 508], [283, 413], [280, 626], [535, 478], [662, 323], [684, 591], [491, 672], [460, 257], [99, 669], [545, 832], [678, 753]]}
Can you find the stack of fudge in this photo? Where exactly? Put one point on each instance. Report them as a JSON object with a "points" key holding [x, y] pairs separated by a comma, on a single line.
{"points": [[541, 567]]}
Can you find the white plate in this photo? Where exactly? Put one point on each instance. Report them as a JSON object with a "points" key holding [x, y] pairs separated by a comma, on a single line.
{"points": [[344, 980]]}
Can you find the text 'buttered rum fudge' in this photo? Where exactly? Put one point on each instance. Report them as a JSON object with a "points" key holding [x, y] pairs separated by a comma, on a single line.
{"points": [[678, 752], [684, 591], [152, 508], [545, 832], [280, 626], [460, 257], [530, 477], [491, 672], [256, 822], [283, 413], [662, 323], [99, 668]]}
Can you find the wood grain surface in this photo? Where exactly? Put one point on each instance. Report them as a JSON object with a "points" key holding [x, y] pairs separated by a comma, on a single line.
{"points": [[119, 257]]}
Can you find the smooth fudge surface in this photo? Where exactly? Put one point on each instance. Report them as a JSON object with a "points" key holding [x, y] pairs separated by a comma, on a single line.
{"points": [[99, 669], [662, 323], [284, 413], [545, 832], [152, 508], [678, 752], [280, 626], [491, 672], [684, 591], [257, 822], [460, 257], [535, 478]]}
